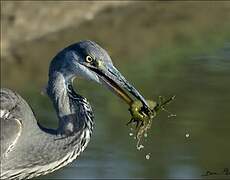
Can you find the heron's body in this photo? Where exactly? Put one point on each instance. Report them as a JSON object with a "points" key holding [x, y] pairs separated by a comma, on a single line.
{"points": [[27, 148], [21, 135]]}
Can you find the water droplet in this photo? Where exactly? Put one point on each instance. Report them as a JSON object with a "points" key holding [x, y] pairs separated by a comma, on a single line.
{"points": [[140, 147], [130, 134], [187, 135], [145, 135], [171, 115], [147, 156]]}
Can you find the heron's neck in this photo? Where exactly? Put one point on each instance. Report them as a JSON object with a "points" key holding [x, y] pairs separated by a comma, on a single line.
{"points": [[57, 91], [71, 108]]}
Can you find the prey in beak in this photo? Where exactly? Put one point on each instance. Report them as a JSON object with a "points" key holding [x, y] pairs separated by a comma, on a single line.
{"points": [[142, 111], [116, 82]]}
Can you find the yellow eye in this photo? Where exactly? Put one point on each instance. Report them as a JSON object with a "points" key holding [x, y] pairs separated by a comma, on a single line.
{"points": [[89, 59]]}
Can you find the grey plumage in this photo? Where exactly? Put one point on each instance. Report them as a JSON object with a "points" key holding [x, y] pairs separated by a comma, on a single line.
{"points": [[27, 148], [36, 143]]}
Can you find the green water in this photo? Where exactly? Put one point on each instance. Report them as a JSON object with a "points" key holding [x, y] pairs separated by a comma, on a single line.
{"points": [[166, 51], [200, 82]]}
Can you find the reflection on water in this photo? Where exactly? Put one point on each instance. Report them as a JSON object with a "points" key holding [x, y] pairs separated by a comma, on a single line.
{"points": [[185, 146]]}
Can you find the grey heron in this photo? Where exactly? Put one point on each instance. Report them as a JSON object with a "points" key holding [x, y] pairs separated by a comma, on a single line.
{"points": [[29, 149]]}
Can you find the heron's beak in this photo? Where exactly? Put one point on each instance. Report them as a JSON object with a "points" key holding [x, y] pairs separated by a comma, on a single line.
{"points": [[115, 81]]}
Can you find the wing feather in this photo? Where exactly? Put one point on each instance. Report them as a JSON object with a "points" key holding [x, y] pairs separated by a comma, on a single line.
{"points": [[10, 125]]}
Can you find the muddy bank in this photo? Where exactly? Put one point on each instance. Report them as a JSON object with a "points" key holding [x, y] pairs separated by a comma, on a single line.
{"points": [[129, 33], [27, 20]]}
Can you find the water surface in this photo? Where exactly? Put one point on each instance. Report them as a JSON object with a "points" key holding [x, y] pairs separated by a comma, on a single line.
{"points": [[177, 48]]}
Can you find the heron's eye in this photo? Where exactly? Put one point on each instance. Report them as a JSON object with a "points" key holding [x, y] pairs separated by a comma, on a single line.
{"points": [[89, 59]]}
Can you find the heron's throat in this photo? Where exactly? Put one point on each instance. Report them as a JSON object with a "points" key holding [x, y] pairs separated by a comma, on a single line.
{"points": [[57, 91]]}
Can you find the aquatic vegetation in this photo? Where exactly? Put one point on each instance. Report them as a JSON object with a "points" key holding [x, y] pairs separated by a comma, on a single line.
{"points": [[141, 119]]}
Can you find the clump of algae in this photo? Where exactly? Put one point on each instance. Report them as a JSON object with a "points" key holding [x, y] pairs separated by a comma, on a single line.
{"points": [[142, 118]]}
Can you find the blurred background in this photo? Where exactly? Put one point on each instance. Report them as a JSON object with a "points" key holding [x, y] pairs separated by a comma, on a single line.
{"points": [[162, 48]]}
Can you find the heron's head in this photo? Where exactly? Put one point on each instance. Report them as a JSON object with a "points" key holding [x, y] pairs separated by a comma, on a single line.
{"points": [[88, 60]]}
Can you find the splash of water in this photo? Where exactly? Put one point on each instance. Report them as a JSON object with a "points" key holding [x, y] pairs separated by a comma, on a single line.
{"points": [[143, 120]]}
